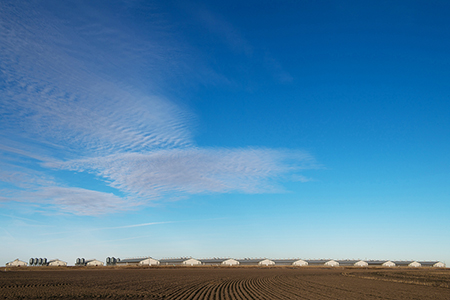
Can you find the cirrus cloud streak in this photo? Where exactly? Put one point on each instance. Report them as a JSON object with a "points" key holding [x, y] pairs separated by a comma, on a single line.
{"points": [[194, 170], [73, 98]]}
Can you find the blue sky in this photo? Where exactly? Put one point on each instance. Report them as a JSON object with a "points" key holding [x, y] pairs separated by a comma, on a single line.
{"points": [[258, 129]]}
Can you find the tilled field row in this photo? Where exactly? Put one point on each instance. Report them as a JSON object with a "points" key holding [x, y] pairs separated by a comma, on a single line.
{"points": [[220, 284]]}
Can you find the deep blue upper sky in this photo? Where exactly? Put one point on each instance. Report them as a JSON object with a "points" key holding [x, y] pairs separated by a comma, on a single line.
{"points": [[265, 128]]}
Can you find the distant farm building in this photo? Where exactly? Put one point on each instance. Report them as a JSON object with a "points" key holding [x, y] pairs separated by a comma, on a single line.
{"points": [[230, 262], [347, 263], [88, 262], [16, 263], [184, 261], [219, 261], [352, 263], [377, 263], [388, 263], [361, 263], [143, 261], [414, 264], [249, 261], [290, 262], [256, 262], [300, 263], [266, 262], [380, 263], [332, 263], [57, 263], [94, 262], [407, 263], [149, 262], [435, 264], [316, 262]]}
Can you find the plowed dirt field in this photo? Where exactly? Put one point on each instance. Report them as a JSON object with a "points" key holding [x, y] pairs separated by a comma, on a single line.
{"points": [[224, 283]]}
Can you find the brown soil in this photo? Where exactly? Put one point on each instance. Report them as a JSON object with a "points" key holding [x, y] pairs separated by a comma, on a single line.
{"points": [[224, 283]]}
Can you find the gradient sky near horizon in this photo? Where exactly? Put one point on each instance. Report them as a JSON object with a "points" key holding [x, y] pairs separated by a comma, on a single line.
{"points": [[310, 129]]}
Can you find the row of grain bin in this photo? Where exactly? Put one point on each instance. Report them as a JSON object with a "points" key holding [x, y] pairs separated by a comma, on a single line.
{"points": [[36, 262], [53, 262]]}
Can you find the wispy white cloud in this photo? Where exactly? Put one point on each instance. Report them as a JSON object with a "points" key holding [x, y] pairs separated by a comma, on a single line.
{"points": [[24, 219], [194, 170], [62, 93], [80, 201], [73, 200], [110, 228], [23, 177], [128, 238], [74, 98], [300, 178], [21, 152]]}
